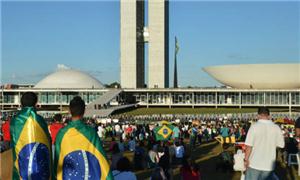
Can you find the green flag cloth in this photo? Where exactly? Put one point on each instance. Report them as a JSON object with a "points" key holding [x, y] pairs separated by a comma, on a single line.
{"points": [[176, 46], [31, 146], [79, 154], [164, 132]]}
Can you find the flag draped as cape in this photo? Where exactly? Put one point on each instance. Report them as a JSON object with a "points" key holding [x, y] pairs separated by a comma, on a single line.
{"points": [[31, 146], [79, 154]]}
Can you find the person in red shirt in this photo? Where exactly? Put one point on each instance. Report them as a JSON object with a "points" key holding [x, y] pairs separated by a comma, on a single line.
{"points": [[6, 135], [55, 126], [5, 130]]}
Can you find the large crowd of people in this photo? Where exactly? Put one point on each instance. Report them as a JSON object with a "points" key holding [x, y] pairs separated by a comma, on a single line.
{"points": [[77, 143]]}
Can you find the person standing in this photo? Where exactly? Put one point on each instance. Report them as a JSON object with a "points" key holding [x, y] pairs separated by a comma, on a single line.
{"points": [[123, 170], [297, 131], [193, 136], [6, 134], [176, 133], [78, 149], [261, 142], [54, 128], [30, 142]]}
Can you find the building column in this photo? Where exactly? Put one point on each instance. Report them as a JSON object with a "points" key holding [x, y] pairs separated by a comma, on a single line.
{"points": [[240, 100], [193, 100], [216, 100], [171, 100], [290, 104], [264, 98], [147, 100]]}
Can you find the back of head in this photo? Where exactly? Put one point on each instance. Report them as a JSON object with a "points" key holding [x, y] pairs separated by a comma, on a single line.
{"points": [[115, 149], [123, 164], [263, 111], [29, 99], [57, 117], [77, 106]]}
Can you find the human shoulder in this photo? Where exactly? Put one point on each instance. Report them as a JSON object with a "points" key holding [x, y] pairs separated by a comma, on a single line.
{"points": [[297, 123]]}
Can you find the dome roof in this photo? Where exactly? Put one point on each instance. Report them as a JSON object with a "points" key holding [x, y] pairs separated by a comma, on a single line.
{"points": [[69, 78], [257, 76]]}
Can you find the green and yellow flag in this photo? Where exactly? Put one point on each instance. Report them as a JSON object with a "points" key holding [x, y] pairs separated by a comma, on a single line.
{"points": [[31, 146], [164, 132], [176, 46], [79, 154]]}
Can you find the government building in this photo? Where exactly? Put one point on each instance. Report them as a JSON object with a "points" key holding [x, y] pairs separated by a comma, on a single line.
{"points": [[246, 85]]}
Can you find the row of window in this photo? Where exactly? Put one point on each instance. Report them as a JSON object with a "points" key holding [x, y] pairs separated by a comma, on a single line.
{"points": [[55, 98], [221, 98]]}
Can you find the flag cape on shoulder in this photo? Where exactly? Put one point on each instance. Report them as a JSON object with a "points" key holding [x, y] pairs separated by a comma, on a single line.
{"points": [[31, 146], [79, 154], [163, 132]]}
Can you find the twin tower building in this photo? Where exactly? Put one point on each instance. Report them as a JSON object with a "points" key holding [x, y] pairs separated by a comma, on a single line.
{"points": [[135, 33]]}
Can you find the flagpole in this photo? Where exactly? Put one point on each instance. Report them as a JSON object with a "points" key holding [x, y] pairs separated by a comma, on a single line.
{"points": [[175, 66]]}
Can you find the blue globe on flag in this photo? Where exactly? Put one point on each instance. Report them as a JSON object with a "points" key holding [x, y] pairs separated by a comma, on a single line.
{"points": [[34, 162], [81, 165]]}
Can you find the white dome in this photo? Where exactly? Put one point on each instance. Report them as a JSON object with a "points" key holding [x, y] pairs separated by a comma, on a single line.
{"points": [[257, 76], [69, 78]]}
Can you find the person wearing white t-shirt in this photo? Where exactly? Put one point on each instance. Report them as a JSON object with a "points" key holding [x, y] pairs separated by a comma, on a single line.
{"points": [[117, 129], [261, 142], [100, 131]]}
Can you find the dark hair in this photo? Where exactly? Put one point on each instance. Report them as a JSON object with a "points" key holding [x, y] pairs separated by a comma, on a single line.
{"points": [[115, 149], [263, 111], [57, 117], [77, 106], [123, 164], [29, 99]]}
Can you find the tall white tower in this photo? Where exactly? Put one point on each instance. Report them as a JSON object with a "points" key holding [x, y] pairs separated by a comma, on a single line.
{"points": [[132, 44], [134, 35]]}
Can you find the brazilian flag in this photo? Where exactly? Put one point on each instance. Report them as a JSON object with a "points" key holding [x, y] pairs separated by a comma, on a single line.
{"points": [[31, 146], [164, 132], [79, 154]]}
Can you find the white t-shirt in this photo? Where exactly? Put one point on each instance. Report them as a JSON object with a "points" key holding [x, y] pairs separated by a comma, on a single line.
{"points": [[100, 131], [117, 128], [264, 136], [123, 175]]}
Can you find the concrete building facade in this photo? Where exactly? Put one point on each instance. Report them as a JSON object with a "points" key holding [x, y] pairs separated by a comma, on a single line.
{"points": [[158, 44], [133, 37], [132, 44]]}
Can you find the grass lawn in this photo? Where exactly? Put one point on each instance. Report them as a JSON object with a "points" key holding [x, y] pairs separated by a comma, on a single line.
{"points": [[160, 110]]}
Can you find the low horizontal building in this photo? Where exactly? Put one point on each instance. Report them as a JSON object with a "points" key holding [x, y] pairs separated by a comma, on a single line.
{"points": [[57, 89]]}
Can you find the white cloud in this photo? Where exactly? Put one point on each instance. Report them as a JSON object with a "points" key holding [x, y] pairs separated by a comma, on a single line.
{"points": [[62, 66]]}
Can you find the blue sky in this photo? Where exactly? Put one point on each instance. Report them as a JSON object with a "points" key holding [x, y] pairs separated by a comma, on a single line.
{"points": [[36, 36]]}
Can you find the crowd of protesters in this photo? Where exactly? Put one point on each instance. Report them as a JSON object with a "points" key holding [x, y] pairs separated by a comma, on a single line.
{"points": [[127, 135]]}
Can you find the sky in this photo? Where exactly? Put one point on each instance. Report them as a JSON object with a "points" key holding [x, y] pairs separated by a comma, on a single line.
{"points": [[38, 36]]}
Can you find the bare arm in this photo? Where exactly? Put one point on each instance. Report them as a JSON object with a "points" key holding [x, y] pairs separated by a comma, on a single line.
{"points": [[297, 132], [247, 155]]}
